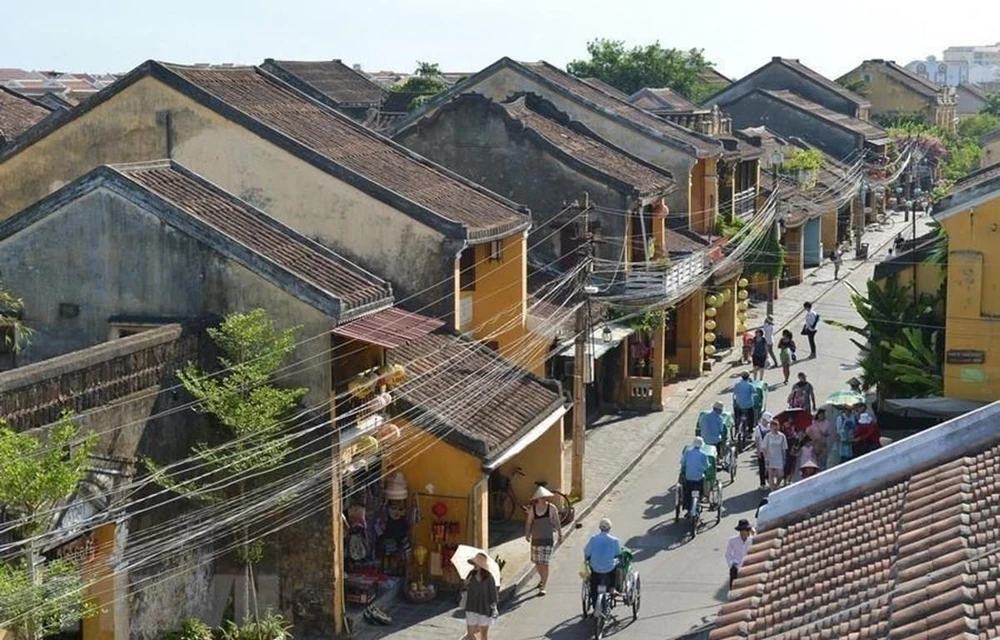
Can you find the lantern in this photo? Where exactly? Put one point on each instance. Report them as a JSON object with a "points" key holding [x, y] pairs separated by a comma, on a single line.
{"points": [[710, 337], [741, 316], [743, 295], [742, 284], [709, 350], [727, 295], [710, 325], [743, 327], [743, 306], [711, 300], [710, 312]]}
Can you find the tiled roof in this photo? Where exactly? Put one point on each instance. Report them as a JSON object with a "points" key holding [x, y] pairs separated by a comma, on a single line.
{"points": [[241, 222], [587, 148], [662, 99], [334, 79], [985, 181], [470, 395], [870, 131], [974, 90], [390, 328], [18, 113], [606, 88], [713, 76], [918, 83], [356, 148], [680, 242], [820, 79], [35, 395], [909, 549], [702, 144]]}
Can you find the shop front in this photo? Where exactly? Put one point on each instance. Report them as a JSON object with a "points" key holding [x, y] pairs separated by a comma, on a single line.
{"points": [[606, 366]]}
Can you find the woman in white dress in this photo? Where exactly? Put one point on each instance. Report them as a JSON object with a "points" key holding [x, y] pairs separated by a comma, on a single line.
{"points": [[775, 450]]}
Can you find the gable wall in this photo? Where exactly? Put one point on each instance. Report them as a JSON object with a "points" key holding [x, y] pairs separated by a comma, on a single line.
{"points": [[777, 77]]}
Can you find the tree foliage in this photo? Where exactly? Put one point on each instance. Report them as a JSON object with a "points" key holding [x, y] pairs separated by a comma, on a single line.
{"points": [[766, 256], [992, 105], [630, 69], [11, 309], [978, 125], [956, 154], [811, 160], [426, 80], [39, 598]]}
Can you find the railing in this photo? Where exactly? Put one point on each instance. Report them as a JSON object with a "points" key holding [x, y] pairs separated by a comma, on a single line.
{"points": [[745, 204]]}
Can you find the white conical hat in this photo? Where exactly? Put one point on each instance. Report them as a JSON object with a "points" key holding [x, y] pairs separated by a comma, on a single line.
{"points": [[542, 492]]}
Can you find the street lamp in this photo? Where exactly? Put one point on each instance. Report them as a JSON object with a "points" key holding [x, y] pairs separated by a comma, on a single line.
{"points": [[776, 159]]}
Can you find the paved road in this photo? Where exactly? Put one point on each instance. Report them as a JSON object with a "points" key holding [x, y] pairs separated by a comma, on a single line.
{"points": [[683, 581]]}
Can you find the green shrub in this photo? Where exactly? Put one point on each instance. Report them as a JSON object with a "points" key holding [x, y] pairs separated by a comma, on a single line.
{"points": [[191, 629], [269, 627]]}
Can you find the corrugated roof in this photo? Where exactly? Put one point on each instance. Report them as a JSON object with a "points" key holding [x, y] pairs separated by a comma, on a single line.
{"points": [[870, 131], [589, 149], [461, 391], [263, 235], [334, 79]]}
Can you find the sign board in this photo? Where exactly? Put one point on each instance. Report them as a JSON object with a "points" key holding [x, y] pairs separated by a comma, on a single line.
{"points": [[965, 356]]}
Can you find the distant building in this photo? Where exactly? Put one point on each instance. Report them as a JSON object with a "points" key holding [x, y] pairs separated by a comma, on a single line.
{"points": [[974, 55], [896, 91], [941, 72]]}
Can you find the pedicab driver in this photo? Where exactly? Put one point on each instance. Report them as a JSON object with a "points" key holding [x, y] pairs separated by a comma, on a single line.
{"points": [[694, 464], [601, 555], [713, 426]]}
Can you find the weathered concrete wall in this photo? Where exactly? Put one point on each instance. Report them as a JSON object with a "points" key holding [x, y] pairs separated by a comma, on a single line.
{"points": [[125, 261], [506, 82], [127, 128], [475, 141], [758, 109]]}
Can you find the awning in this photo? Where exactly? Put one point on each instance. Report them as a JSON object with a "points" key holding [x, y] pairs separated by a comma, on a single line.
{"points": [[946, 408], [597, 346], [522, 443], [389, 328]]}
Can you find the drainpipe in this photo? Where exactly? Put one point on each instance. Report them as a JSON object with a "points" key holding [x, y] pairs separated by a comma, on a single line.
{"points": [[476, 519], [458, 296]]}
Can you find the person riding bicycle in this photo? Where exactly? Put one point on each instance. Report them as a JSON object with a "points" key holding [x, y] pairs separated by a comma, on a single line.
{"points": [[694, 466], [744, 400], [601, 554]]}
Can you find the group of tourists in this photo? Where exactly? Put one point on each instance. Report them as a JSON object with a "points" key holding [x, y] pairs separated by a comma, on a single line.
{"points": [[759, 345]]}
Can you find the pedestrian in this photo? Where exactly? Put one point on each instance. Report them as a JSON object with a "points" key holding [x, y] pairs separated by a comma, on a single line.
{"points": [[768, 329], [601, 555], [786, 351], [810, 326], [866, 435], [838, 259], [775, 449], [747, 347], [737, 549], [819, 436], [744, 405], [541, 529], [481, 599], [759, 431], [802, 396], [794, 439], [807, 458], [758, 355], [846, 425]]}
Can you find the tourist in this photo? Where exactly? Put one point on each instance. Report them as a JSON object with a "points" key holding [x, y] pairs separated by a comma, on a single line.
{"points": [[819, 435], [481, 599], [838, 259], [866, 435], [846, 424], [810, 326], [737, 549], [802, 395], [758, 355], [759, 432], [786, 352], [775, 446], [541, 529], [768, 330]]}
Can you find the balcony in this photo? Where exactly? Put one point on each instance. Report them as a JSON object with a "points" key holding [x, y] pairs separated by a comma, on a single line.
{"points": [[745, 204]]}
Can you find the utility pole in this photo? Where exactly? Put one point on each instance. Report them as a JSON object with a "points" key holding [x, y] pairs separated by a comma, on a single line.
{"points": [[336, 522], [583, 330], [860, 223], [776, 160]]}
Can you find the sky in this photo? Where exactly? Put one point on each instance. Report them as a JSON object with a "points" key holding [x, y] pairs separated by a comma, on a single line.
{"points": [[467, 35]]}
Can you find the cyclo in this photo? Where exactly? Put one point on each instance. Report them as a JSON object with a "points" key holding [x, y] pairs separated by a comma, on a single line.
{"points": [[726, 455], [710, 487], [627, 591]]}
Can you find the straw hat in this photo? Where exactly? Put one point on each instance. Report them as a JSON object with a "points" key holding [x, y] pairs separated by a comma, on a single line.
{"points": [[480, 560], [541, 493], [809, 464]]}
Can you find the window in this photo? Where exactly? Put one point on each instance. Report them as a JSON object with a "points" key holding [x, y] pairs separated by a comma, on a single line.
{"points": [[867, 77], [467, 267], [496, 250]]}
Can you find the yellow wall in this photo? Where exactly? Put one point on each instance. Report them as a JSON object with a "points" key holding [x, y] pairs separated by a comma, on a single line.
{"points": [[125, 129], [929, 278], [541, 460], [425, 459], [499, 307], [888, 95], [973, 302], [828, 231], [101, 589], [725, 320], [691, 334], [991, 153], [794, 254], [704, 196]]}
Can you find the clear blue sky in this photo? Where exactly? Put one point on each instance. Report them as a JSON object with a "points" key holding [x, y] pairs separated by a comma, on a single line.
{"points": [[466, 35]]}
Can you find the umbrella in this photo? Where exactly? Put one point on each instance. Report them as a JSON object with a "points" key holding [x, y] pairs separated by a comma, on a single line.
{"points": [[845, 398], [796, 416], [464, 553]]}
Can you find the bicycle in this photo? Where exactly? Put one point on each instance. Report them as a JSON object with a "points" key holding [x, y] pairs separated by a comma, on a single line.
{"points": [[502, 498], [564, 507]]}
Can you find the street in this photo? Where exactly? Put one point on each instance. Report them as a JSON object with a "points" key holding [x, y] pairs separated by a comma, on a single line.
{"points": [[683, 581]]}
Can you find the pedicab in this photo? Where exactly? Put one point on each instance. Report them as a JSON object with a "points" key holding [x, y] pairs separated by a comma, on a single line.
{"points": [[710, 487], [727, 457], [627, 592]]}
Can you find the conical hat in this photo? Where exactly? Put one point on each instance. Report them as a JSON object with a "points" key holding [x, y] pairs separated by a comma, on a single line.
{"points": [[541, 493]]}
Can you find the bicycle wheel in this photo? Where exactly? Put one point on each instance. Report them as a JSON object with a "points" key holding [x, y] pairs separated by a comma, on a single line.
{"points": [[566, 510], [678, 498], [636, 597], [733, 462], [585, 598], [717, 499], [600, 616], [501, 506]]}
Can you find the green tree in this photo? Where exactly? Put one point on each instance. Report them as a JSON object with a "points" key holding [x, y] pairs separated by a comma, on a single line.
{"points": [[250, 408], [11, 309], [37, 597], [992, 105], [978, 125], [631, 69], [426, 80]]}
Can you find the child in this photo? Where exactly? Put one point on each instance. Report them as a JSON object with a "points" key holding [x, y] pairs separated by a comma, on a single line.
{"points": [[786, 351], [747, 347]]}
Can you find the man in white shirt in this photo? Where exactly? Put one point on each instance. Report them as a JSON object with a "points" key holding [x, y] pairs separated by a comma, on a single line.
{"points": [[810, 326], [736, 550], [768, 329], [759, 432]]}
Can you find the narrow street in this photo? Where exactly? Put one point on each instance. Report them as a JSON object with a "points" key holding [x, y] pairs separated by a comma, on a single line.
{"points": [[683, 581]]}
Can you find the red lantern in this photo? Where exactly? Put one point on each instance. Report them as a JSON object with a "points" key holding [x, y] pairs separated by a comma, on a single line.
{"points": [[439, 510]]}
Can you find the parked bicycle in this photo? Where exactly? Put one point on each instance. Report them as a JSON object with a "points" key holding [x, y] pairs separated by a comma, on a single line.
{"points": [[503, 499]]}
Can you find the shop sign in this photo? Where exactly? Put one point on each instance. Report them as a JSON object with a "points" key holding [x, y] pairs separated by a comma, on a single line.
{"points": [[965, 356]]}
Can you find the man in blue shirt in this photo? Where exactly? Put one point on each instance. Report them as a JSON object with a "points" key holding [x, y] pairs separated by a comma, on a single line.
{"points": [[601, 554], [743, 400], [713, 425], [694, 464]]}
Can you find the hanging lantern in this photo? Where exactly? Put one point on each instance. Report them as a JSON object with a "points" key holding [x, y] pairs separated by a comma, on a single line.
{"points": [[743, 295], [710, 312], [742, 284], [712, 300], [741, 316], [710, 325], [743, 327], [743, 306], [727, 294], [710, 337], [709, 350]]}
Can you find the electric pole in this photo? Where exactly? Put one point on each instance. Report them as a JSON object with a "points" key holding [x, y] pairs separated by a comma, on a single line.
{"points": [[583, 330], [776, 160]]}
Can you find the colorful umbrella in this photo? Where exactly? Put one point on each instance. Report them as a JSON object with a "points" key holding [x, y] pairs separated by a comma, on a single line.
{"points": [[845, 398], [465, 553]]}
